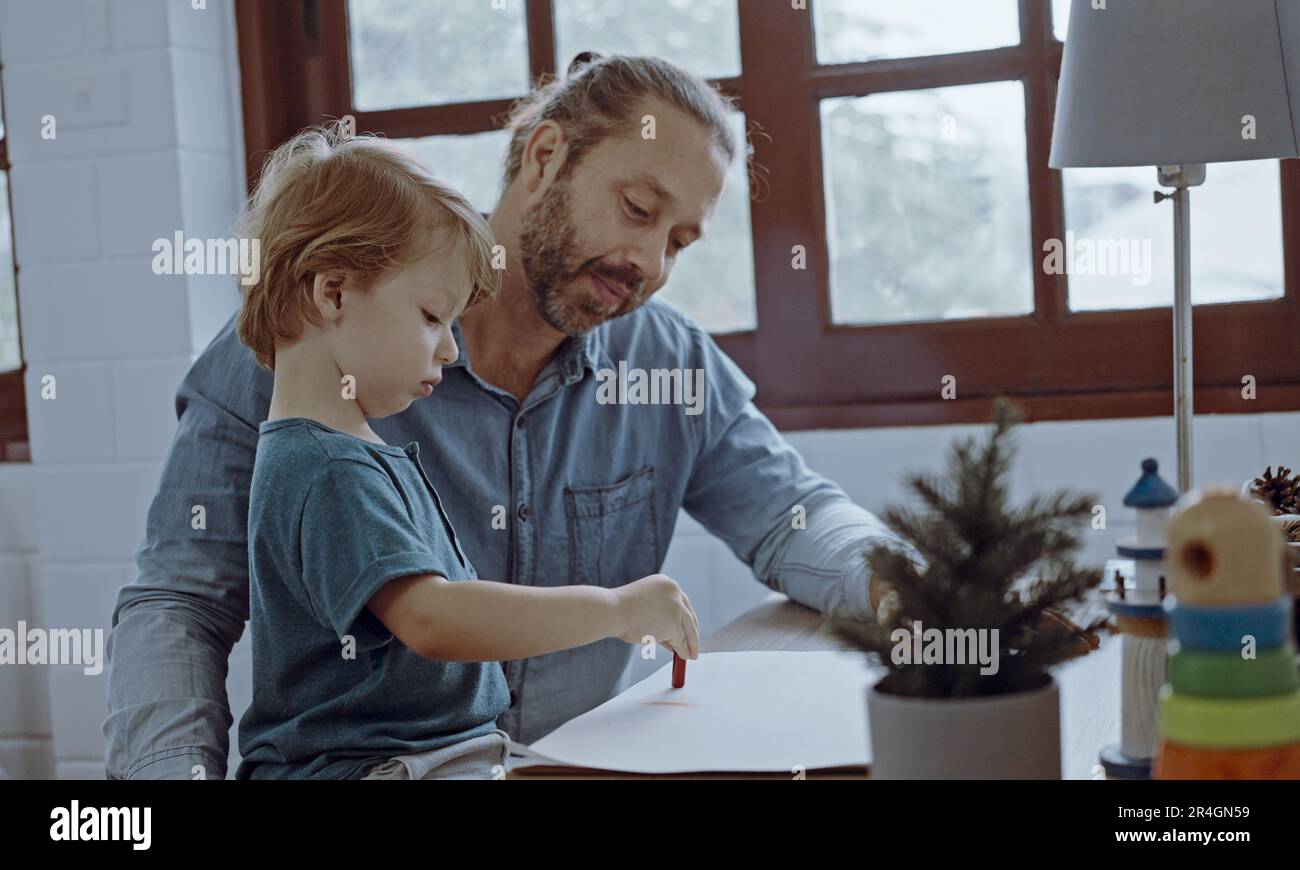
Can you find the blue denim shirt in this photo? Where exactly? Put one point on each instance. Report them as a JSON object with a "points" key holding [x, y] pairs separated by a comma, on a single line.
{"points": [[558, 489]]}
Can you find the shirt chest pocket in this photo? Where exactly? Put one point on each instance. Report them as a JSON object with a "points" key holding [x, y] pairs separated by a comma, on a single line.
{"points": [[613, 533]]}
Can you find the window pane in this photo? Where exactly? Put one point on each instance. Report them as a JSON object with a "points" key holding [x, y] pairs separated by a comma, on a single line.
{"points": [[702, 36], [713, 281], [927, 204], [471, 164], [418, 53], [1121, 253], [1061, 18], [857, 30], [9, 360]]}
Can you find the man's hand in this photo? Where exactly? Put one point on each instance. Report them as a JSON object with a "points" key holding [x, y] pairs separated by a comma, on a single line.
{"points": [[1088, 641], [887, 604]]}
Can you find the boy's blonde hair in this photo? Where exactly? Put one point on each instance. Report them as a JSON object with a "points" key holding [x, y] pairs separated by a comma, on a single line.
{"points": [[327, 200]]}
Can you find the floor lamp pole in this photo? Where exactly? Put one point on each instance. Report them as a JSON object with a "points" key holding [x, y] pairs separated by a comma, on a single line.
{"points": [[1181, 178]]}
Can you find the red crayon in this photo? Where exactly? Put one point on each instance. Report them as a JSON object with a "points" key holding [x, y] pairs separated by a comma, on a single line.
{"points": [[679, 671]]}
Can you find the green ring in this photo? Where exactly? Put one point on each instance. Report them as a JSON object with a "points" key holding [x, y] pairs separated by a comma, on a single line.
{"points": [[1228, 675], [1229, 723]]}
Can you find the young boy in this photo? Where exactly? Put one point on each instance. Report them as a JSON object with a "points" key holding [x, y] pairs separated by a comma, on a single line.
{"points": [[376, 649]]}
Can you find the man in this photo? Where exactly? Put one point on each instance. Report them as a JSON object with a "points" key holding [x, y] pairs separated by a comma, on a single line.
{"points": [[551, 476]]}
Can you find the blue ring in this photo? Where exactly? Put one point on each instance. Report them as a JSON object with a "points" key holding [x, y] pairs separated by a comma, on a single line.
{"points": [[1222, 627], [1127, 551]]}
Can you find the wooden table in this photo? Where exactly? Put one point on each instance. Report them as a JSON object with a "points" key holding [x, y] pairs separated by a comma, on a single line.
{"points": [[1089, 687]]}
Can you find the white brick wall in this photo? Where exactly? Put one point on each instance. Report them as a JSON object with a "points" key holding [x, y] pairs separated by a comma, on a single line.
{"points": [[149, 142], [24, 696]]}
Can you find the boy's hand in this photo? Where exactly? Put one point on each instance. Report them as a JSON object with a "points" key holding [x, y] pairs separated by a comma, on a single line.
{"points": [[656, 606]]}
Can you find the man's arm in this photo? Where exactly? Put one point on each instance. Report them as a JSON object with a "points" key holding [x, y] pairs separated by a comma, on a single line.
{"points": [[174, 627], [746, 486]]}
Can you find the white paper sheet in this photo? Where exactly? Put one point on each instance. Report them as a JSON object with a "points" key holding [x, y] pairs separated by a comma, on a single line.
{"points": [[753, 711]]}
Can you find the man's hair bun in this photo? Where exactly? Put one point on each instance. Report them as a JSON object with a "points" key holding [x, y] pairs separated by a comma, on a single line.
{"points": [[586, 58]]}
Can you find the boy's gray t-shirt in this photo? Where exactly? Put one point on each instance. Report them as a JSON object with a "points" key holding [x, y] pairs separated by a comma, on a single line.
{"points": [[331, 519]]}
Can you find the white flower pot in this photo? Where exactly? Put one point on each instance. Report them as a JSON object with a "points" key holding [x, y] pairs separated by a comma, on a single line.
{"points": [[1016, 736]]}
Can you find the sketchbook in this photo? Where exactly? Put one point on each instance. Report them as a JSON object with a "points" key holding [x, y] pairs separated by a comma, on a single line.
{"points": [[741, 712]]}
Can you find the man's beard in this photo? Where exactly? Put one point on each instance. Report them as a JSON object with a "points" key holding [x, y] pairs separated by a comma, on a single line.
{"points": [[548, 246]]}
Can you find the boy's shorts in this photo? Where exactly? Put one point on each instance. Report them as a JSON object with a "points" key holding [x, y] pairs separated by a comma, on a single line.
{"points": [[476, 758]]}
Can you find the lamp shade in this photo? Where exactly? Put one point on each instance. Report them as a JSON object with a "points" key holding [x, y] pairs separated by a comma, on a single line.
{"points": [[1163, 82]]}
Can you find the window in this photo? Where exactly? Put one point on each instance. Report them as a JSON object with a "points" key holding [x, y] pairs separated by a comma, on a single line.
{"points": [[851, 30], [415, 71], [407, 53], [901, 231], [13, 403], [1237, 239], [700, 35], [919, 185]]}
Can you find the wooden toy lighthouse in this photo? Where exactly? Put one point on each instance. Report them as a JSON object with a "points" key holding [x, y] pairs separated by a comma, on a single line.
{"points": [[1140, 619], [1231, 708]]}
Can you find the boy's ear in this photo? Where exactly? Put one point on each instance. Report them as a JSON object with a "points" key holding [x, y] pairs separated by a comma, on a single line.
{"points": [[327, 293]]}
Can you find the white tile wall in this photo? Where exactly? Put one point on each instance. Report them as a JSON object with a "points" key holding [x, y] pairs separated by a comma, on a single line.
{"points": [[93, 512], [26, 758], [194, 28], [1280, 438], [79, 769], [80, 595], [139, 24], [76, 425], [25, 746], [207, 198], [78, 707], [57, 203], [81, 312], [61, 24], [145, 99], [145, 418], [17, 520], [129, 223], [24, 702], [210, 301], [202, 116], [103, 103]]}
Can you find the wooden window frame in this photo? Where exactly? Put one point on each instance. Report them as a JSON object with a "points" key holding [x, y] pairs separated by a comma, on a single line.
{"points": [[14, 446], [1057, 363]]}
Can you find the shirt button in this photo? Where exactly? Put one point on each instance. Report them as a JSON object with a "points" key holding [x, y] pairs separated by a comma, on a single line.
{"points": [[524, 512], [519, 424]]}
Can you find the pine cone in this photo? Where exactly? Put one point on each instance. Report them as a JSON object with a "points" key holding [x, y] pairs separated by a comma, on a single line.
{"points": [[1281, 492]]}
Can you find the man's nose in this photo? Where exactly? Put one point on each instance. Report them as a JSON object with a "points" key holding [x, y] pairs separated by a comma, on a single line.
{"points": [[649, 256]]}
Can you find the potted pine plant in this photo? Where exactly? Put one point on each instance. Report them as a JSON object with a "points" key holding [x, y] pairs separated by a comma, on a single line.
{"points": [[968, 633]]}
